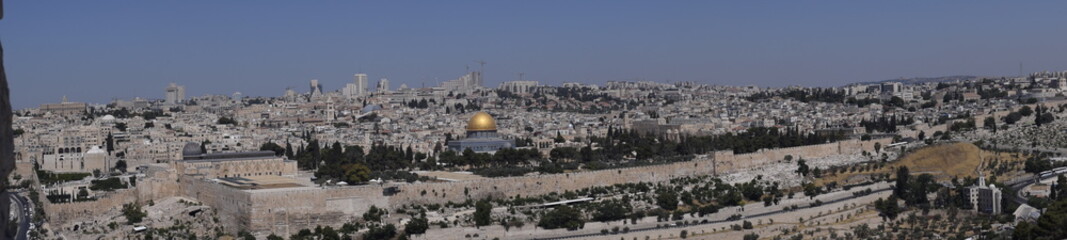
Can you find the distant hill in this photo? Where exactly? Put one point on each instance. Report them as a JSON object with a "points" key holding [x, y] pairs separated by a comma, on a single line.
{"points": [[921, 80]]}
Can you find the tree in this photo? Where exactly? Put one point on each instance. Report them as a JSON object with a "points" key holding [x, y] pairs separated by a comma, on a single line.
{"points": [[810, 190], [110, 143], [863, 231], [1026, 111], [562, 217], [417, 225], [374, 214], [376, 232], [226, 121], [120, 165], [751, 236], [802, 167], [1051, 223], [482, 213], [990, 123], [120, 126], [887, 209], [288, 150], [1044, 118], [356, 173], [1023, 231], [274, 237], [1036, 165], [1061, 187], [611, 210], [901, 188], [133, 213], [1013, 117], [270, 146], [327, 233], [667, 199], [245, 235], [919, 188]]}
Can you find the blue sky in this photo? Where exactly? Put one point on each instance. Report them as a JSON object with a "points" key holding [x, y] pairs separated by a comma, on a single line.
{"points": [[94, 51]]}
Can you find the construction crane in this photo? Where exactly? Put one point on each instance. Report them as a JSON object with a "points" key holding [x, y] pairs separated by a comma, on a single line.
{"points": [[481, 65]]}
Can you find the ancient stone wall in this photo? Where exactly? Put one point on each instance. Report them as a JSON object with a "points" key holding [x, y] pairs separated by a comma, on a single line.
{"points": [[63, 213], [729, 162], [158, 185], [287, 210], [232, 205], [429, 193]]}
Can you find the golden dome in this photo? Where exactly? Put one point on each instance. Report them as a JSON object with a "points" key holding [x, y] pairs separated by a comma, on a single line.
{"points": [[481, 121]]}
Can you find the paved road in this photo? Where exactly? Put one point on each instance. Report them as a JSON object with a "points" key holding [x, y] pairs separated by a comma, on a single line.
{"points": [[1019, 184], [764, 214], [24, 215]]}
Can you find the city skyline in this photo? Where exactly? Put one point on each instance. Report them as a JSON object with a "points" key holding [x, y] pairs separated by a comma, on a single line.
{"points": [[533, 120], [128, 49]]}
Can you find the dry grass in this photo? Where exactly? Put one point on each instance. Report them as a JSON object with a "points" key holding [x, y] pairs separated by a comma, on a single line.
{"points": [[944, 161], [956, 159]]}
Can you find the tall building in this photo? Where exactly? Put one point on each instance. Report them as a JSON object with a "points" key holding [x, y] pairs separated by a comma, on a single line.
{"points": [[316, 88], [383, 85], [892, 87], [65, 107], [361, 84], [985, 199], [356, 89], [519, 87], [175, 93], [469, 82]]}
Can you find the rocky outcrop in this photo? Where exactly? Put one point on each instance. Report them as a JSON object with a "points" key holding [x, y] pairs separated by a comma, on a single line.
{"points": [[7, 141]]}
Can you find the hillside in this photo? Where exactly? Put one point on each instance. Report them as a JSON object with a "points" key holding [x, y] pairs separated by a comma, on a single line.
{"points": [[921, 80]]}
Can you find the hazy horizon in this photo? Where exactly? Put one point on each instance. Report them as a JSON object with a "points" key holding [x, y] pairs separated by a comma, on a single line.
{"points": [[96, 51]]}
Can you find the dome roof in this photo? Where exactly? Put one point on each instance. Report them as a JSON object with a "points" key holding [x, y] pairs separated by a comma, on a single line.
{"points": [[370, 108], [191, 149], [481, 121]]}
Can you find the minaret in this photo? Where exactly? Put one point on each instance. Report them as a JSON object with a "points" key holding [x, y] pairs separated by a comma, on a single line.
{"points": [[330, 112]]}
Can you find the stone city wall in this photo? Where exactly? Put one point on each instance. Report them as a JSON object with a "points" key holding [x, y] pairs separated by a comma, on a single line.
{"points": [[24, 169], [284, 211], [729, 162], [287, 210], [73, 212], [457, 192], [156, 185], [232, 205]]}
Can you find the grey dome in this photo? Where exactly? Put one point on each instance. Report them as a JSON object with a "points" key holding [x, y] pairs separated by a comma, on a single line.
{"points": [[191, 150], [370, 108]]}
